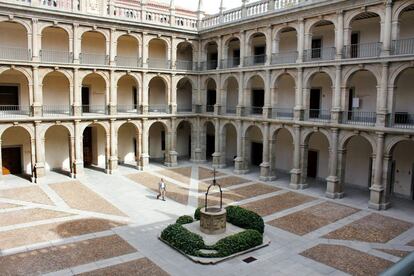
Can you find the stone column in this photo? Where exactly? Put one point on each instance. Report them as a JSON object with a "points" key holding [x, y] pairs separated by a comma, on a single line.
{"points": [[174, 44], [113, 137], [145, 50], [301, 40], [339, 34], [265, 170], [76, 43], [267, 109], [145, 146], [35, 40], [37, 93], [113, 94], [240, 102], [295, 173], [377, 196], [173, 145], [77, 93], [1, 161], [242, 47], [333, 187], [78, 162], [217, 143], [112, 47], [33, 159], [40, 151], [219, 54], [239, 161], [268, 45], [72, 156], [386, 46], [382, 111], [298, 110], [336, 101]]}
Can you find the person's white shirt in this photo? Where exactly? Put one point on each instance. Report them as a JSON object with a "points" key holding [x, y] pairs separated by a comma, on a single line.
{"points": [[162, 185]]}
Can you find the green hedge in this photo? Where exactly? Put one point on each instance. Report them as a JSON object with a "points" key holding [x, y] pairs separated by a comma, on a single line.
{"points": [[244, 218], [184, 220], [197, 213], [179, 237], [238, 242]]}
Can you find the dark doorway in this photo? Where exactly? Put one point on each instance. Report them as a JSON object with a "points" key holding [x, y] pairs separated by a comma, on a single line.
{"points": [[134, 97], [210, 146], [211, 100], [236, 57], [314, 103], [12, 160], [391, 177], [354, 45], [412, 182], [257, 101], [312, 163], [256, 154], [9, 95], [212, 61], [259, 54], [85, 99], [87, 146], [316, 48]]}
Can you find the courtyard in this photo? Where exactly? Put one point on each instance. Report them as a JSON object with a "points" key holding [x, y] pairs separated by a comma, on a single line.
{"points": [[103, 224]]}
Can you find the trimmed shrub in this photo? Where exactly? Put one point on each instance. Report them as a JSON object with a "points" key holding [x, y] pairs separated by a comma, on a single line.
{"points": [[197, 213], [245, 218], [238, 242], [184, 220], [179, 237]]}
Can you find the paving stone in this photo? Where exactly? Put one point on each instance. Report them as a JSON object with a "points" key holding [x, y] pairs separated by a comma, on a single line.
{"points": [[174, 192], [30, 194], [372, 228], [140, 267], [204, 173], [8, 205], [182, 175], [53, 231], [78, 196], [395, 252], [312, 218], [29, 215], [225, 182], [64, 256], [277, 203], [346, 259]]}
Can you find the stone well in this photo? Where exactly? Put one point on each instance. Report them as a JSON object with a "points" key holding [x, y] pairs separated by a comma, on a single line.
{"points": [[213, 221]]}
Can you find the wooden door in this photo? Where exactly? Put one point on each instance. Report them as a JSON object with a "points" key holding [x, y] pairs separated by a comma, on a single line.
{"points": [[312, 163]]}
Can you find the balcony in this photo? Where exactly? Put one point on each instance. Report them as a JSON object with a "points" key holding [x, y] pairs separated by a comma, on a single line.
{"points": [[403, 120], [231, 110], [12, 53], [56, 56], [158, 108], [365, 50], [128, 109], [210, 108], [282, 113], [254, 111], [56, 110], [93, 59], [184, 109], [94, 110], [14, 111], [318, 54], [285, 57], [318, 115], [230, 63], [364, 118], [255, 60], [403, 47], [125, 61], [185, 65], [158, 63]]}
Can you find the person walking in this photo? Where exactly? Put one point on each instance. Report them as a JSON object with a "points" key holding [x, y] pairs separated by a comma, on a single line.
{"points": [[162, 188]]}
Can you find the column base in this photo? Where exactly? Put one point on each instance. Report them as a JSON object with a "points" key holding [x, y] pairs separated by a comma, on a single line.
{"points": [[239, 167], [376, 200], [78, 168], [112, 109], [172, 160], [113, 165], [333, 188], [216, 160], [334, 195], [40, 170], [144, 160], [77, 110], [379, 207], [265, 172], [298, 186], [37, 110]]}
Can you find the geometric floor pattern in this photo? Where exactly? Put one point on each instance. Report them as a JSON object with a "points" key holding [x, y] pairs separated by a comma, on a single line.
{"points": [[108, 225]]}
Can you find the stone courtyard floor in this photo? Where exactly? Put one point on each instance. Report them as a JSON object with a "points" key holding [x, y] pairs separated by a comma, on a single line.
{"points": [[104, 224]]}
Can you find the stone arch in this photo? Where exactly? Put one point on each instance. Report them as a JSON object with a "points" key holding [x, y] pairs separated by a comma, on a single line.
{"points": [[88, 29], [278, 74], [344, 139], [392, 142], [307, 133], [68, 126], [399, 7], [309, 74], [165, 124], [63, 27], [312, 23], [104, 125], [25, 71], [227, 77], [352, 70], [395, 72], [351, 15], [277, 31], [251, 75], [230, 38], [45, 72], [249, 126], [274, 129], [29, 129], [58, 156]]}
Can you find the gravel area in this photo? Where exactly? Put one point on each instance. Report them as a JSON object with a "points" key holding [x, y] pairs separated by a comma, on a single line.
{"points": [[56, 258], [140, 267], [277, 203], [239, 194], [53, 231], [182, 175], [372, 228], [348, 260], [30, 194], [29, 215], [7, 205], [395, 252], [174, 192], [313, 218], [78, 196], [204, 173]]}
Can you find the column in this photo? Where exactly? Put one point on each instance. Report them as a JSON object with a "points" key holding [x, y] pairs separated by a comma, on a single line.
{"points": [[386, 47], [267, 109], [336, 101], [113, 47], [35, 38], [295, 173], [172, 162], [77, 93], [113, 147], [78, 162], [174, 44], [333, 185], [242, 47], [382, 110], [76, 43], [173, 94], [298, 110], [240, 102], [268, 45], [301, 39], [339, 34], [265, 165], [220, 51], [217, 143], [113, 93], [37, 93], [138, 145], [145, 50], [72, 156], [1, 161], [145, 144], [39, 151], [239, 161], [377, 196], [33, 159]]}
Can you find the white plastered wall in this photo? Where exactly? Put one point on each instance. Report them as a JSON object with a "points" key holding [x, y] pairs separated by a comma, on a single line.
{"points": [[326, 33], [323, 82], [13, 35], [93, 43], [126, 144], [319, 143], [157, 92], [97, 89], [284, 151], [285, 92], [404, 96], [231, 146], [126, 91], [404, 164], [18, 137], [157, 49], [406, 25], [56, 89], [357, 166], [127, 46], [55, 39], [184, 52], [369, 29], [154, 141], [98, 146], [17, 78], [232, 93], [57, 149], [184, 95], [288, 41], [183, 139], [365, 87]]}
